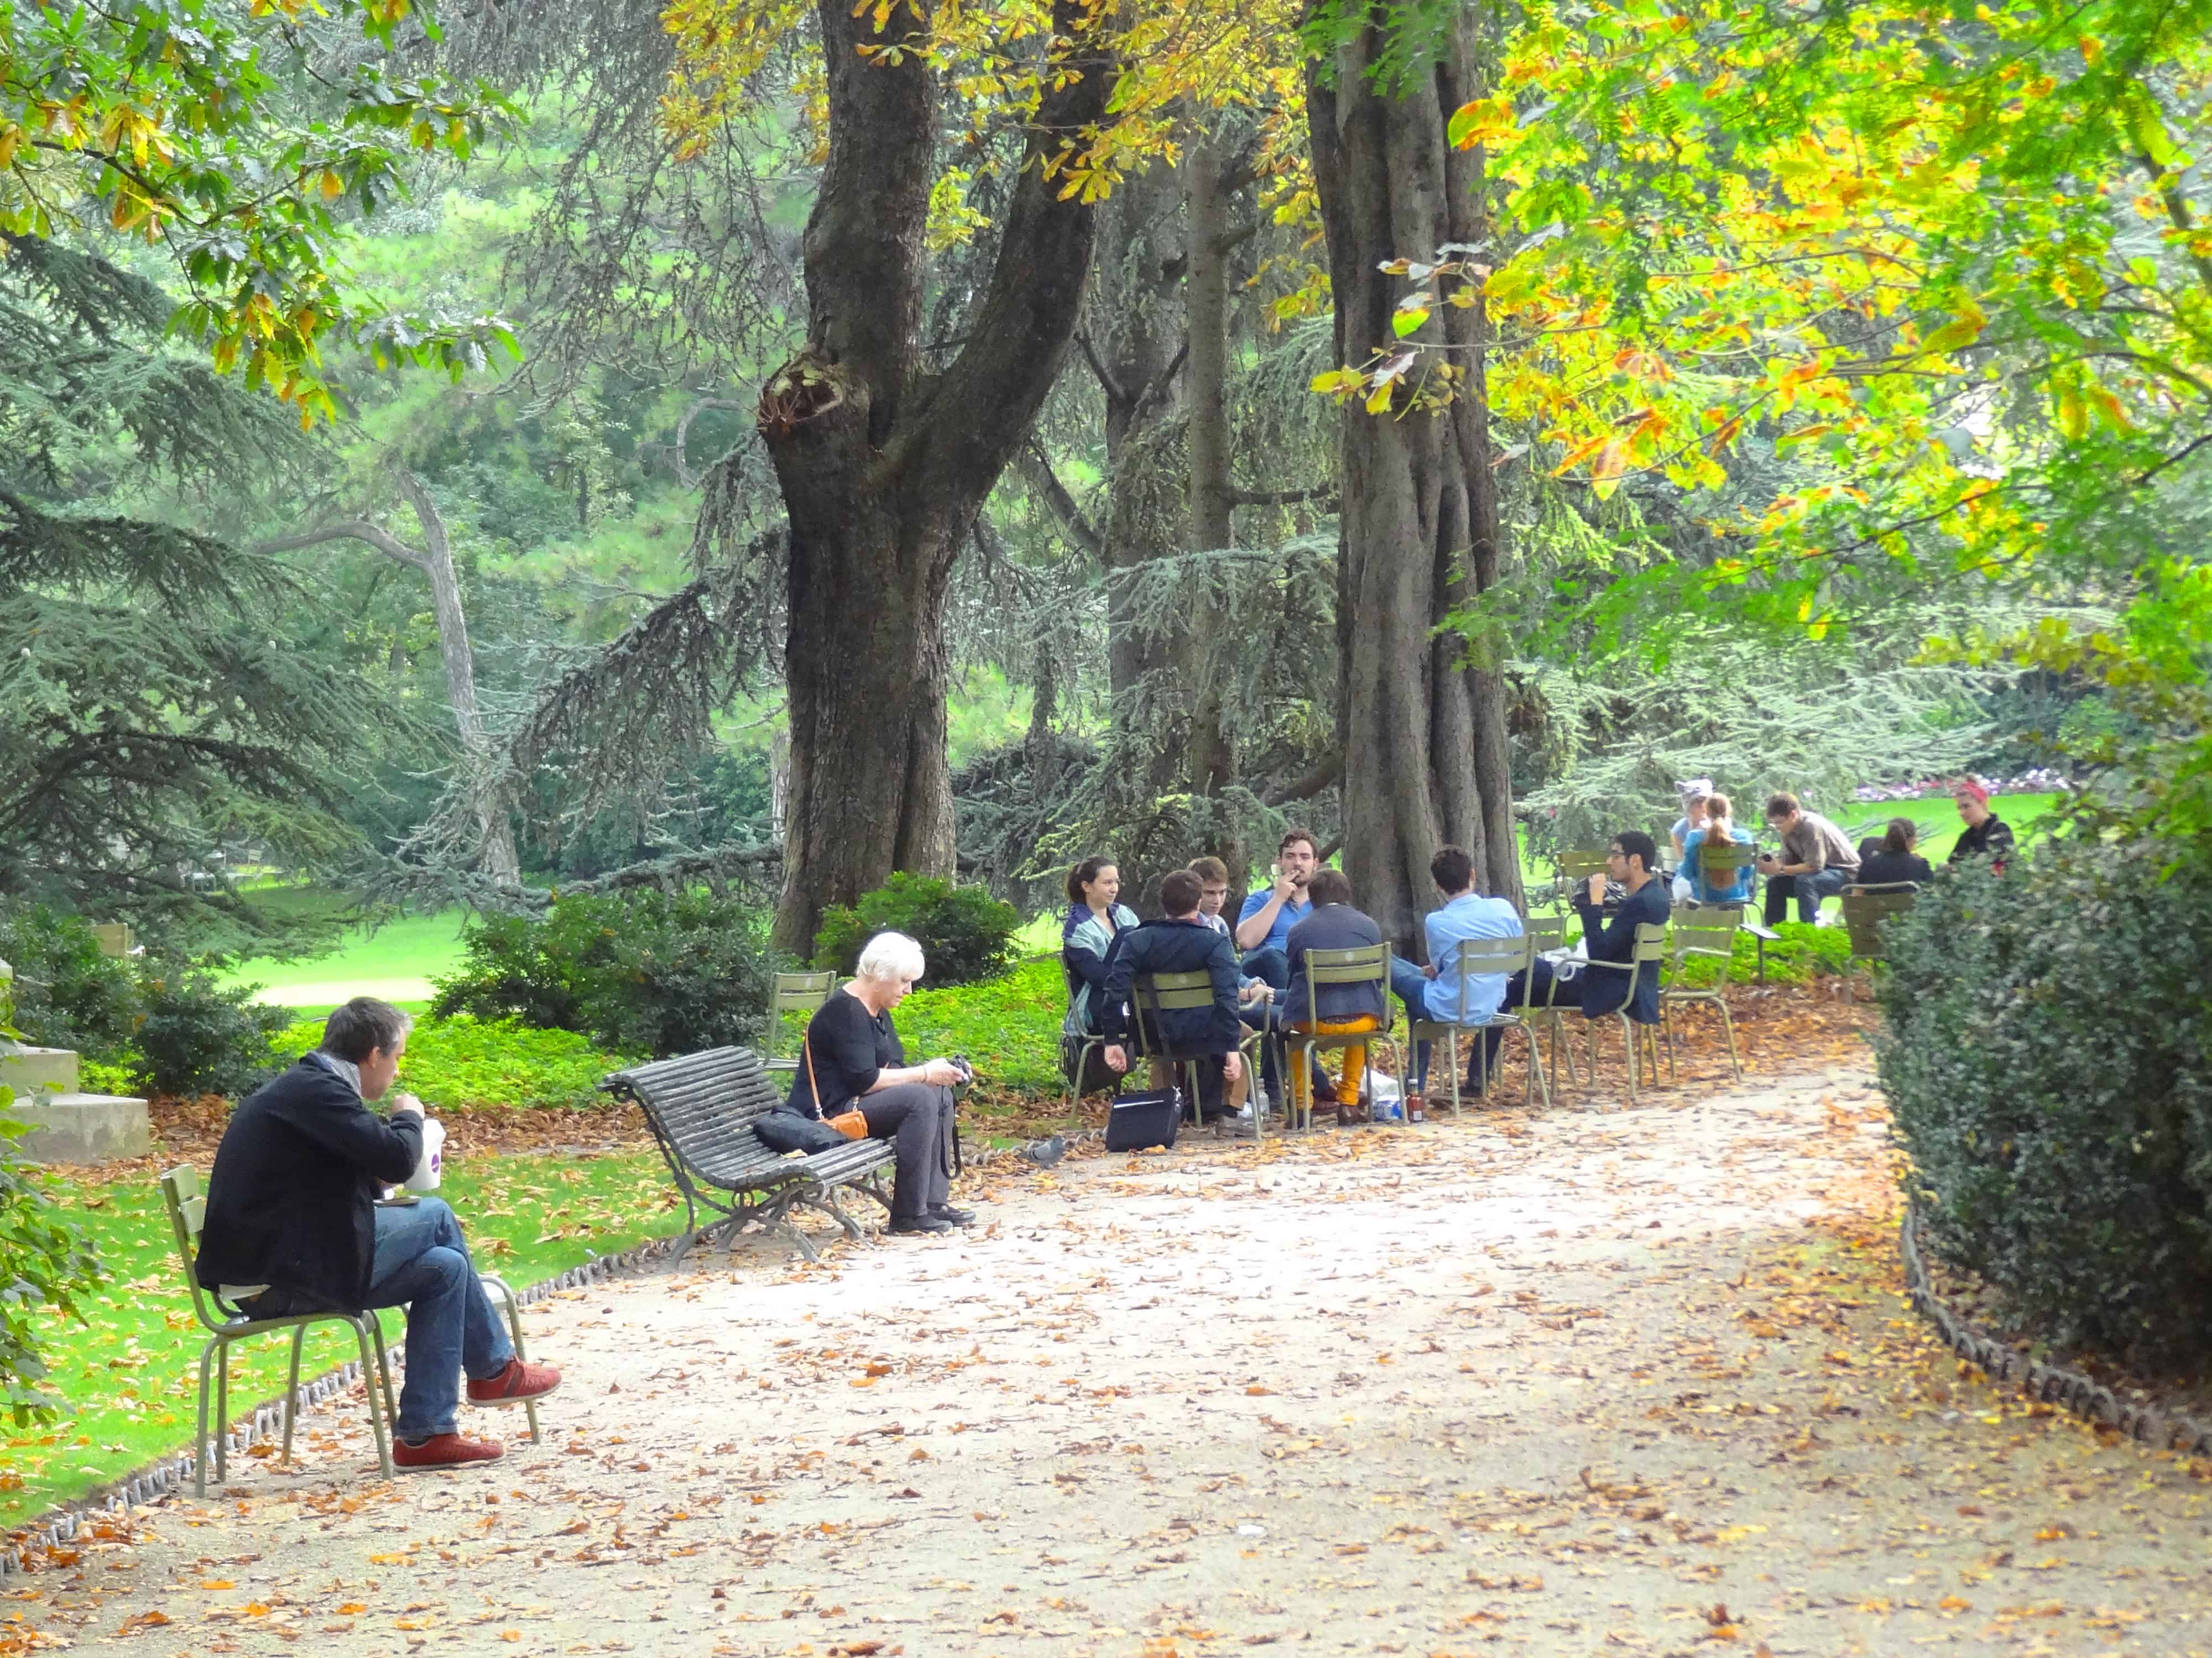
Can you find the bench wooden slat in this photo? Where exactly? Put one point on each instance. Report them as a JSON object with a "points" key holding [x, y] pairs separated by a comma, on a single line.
{"points": [[703, 1109]]}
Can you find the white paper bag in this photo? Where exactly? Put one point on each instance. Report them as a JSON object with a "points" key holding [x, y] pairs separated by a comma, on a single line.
{"points": [[427, 1171]]}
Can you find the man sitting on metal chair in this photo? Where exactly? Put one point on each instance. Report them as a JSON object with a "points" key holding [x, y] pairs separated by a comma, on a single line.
{"points": [[1432, 992], [1181, 942], [1628, 860], [1335, 924], [294, 1225]]}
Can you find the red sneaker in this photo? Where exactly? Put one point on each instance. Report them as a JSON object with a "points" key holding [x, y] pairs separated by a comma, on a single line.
{"points": [[518, 1384], [445, 1451]]}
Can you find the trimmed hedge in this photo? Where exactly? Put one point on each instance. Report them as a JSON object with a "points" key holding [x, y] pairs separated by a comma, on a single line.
{"points": [[2048, 1060]]}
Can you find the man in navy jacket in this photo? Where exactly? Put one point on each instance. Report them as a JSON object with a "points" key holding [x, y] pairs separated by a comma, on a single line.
{"points": [[1599, 991], [294, 1225], [1179, 941]]}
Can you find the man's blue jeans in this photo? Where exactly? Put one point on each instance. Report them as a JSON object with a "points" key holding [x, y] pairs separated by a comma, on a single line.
{"points": [[1271, 967], [1411, 986], [1808, 889], [421, 1263]]}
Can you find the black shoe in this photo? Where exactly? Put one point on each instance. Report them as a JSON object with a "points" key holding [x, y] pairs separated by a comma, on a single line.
{"points": [[945, 1212], [920, 1224]]}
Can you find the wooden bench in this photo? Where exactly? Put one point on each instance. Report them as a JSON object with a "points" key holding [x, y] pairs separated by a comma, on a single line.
{"points": [[703, 1108]]}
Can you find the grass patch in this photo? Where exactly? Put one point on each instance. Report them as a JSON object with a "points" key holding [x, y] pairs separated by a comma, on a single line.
{"points": [[465, 1061], [397, 962], [128, 1374]]}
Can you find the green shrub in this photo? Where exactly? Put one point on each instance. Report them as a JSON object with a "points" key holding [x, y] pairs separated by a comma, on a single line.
{"points": [[642, 972], [2048, 1060], [1008, 1026], [465, 1061], [47, 1263], [199, 1037], [966, 934], [68, 994]]}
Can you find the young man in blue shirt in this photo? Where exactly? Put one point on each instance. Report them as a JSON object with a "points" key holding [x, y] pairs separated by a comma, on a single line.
{"points": [[1432, 992], [1263, 925]]}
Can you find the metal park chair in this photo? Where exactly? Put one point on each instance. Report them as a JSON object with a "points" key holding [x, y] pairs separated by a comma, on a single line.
{"points": [[1154, 994], [1478, 957], [1707, 930], [1365, 965], [1650, 956], [794, 993]]}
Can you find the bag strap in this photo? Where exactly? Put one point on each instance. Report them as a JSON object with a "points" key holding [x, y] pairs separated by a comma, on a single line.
{"points": [[812, 1087]]}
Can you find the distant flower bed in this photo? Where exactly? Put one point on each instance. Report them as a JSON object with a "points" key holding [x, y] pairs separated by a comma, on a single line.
{"points": [[2041, 781]]}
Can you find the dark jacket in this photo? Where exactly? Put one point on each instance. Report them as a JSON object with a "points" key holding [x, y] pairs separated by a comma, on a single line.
{"points": [[1169, 945], [1991, 838], [292, 1200], [1880, 868], [1331, 926], [1605, 990], [847, 1048]]}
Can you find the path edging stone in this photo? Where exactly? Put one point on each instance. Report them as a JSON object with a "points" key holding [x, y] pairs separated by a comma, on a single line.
{"points": [[168, 1475], [2053, 1384]]}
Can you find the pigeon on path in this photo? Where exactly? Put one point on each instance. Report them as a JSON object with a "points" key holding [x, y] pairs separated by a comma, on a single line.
{"points": [[1045, 1153]]}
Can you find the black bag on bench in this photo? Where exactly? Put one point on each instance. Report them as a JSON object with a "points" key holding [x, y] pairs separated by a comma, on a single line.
{"points": [[1135, 1122], [786, 1130]]}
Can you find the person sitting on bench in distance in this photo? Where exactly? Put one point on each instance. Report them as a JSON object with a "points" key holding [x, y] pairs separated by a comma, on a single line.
{"points": [[1179, 941], [1894, 861], [294, 1226], [853, 1060], [1816, 861], [1263, 925], [1598, 992], [1095, 919], [1334, 924]]}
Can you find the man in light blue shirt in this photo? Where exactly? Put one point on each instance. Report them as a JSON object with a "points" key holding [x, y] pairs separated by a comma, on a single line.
{"points": [[1432, 992]]}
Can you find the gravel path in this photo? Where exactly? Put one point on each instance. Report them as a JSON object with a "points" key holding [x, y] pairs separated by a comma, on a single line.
{"points": [[1594, 1381]]}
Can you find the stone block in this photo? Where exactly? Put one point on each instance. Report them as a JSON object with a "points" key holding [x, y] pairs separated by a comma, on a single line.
{"points": [[27, 1070], [81, 1128]]}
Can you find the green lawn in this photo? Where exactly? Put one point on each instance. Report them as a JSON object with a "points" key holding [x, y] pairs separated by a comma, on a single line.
{"points": [[129, 1373], [397, 962]]}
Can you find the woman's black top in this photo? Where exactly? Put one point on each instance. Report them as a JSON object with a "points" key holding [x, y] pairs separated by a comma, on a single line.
{"points": [[1880, 868], [850, 1048]]}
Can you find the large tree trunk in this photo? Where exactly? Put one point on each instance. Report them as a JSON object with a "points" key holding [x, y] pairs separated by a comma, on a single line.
{"points": [[882, 466], [1424, 754], [1210, 748]]}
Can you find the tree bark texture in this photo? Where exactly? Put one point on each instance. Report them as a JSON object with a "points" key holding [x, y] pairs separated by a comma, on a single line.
{"points": [[883, 465], [1424, 746], [434, 559], [1210, 748]]}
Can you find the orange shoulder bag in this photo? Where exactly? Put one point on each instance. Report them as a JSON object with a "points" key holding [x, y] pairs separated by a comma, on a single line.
{"points": [[849, 1122]]}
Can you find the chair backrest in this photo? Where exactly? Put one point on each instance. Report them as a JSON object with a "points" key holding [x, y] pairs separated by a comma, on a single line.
{"points": [[1481, 956], [1160, 992], [699, 1102], [1720, 859], [1867, 910], [795, 993], [1580, 863], [1707, 930], [1546, 933], [186, 1202], [1361, 964]]}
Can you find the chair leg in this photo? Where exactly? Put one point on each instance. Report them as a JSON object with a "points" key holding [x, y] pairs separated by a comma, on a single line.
{"points": [[493, 1281], [200, 1450], [1535, 1079], [1667, 1027], [1628, 1052], [383, 1365], [1727, 1025], [376, 1382], [1451, 1063], [292, 1388], [223, 1413]]}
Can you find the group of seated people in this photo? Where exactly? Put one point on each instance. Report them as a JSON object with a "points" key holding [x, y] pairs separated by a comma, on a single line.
{"points": [[1307, 907], [1817, 859]]}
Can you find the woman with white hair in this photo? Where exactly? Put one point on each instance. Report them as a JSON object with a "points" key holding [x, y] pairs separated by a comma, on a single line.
{"points": [[852, 1060]]}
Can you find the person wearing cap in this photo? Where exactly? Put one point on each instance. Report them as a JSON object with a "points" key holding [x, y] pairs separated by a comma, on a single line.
{"points": [[1987, 836], [1695, 793]]}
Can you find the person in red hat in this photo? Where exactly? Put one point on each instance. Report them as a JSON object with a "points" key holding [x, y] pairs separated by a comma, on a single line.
{"points": [[1987, 836]]}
